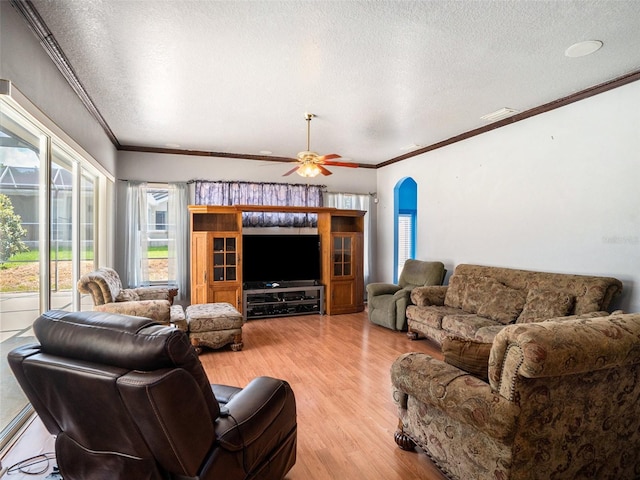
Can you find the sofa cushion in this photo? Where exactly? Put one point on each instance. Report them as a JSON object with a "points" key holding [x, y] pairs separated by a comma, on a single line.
{"points": [[477, 291], [592, 293], [456, 291], [127, 295], [467, 291], [543, 304], [473, 293], [503, 304], [465, 325], [467, 355], [431, 316], [488, 333], [157, 310]]}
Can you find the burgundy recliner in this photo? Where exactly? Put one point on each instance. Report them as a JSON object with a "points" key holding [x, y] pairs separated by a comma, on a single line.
{"points": [[129, 399]]}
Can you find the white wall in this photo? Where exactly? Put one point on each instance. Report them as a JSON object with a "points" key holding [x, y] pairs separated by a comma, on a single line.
{"points": [[557, 192], [152, 167], [24, 62]]}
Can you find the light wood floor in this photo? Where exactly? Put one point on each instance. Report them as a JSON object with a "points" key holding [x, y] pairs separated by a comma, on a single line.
{"points": [[338, 367]]}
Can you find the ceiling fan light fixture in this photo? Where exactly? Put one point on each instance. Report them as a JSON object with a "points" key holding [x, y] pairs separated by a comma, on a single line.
{"points": [[308, 170], [310, 164]]}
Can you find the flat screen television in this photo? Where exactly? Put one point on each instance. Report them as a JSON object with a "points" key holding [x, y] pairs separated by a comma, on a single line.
{"points": [[280, 258]]}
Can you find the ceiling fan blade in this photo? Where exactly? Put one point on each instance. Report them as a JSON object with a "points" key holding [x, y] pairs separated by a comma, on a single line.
{"points": [[342, 164], [324, 171], [292, 170], [328, 157]]}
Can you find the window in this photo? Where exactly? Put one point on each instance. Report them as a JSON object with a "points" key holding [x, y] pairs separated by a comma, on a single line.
{"points": [[405, 212], [161, 220], [157, 236], [49, 193]]}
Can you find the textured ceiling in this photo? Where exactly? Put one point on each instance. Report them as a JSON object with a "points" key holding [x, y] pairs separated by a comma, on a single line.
{"points": [[238, 76]]}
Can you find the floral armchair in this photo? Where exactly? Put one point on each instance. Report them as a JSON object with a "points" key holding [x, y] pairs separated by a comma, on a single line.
{"points": [[560, 402], [105, 288]]}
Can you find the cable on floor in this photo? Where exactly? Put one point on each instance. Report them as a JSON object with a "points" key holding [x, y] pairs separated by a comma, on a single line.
{"points": [[35, 465]]}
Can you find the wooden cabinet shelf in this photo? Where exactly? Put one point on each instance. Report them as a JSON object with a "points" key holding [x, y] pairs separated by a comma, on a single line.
{"points": [[216, 256], [346, 224], [216, 222]]}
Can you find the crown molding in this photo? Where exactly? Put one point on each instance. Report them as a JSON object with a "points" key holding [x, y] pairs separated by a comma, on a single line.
{"points": [[547, 107], [51, 46]]}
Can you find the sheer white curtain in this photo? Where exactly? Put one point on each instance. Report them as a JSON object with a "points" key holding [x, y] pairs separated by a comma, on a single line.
{"points": [[178, 237], [352, 201], [136, 236]]}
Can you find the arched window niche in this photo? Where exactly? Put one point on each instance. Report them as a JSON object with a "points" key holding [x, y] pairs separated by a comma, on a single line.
{"points": [[405, 195]]}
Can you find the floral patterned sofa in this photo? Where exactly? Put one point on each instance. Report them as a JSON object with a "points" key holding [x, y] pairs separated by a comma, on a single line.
{"points": [[560, 402], [208, 325], [479, 301], [105, 288]]}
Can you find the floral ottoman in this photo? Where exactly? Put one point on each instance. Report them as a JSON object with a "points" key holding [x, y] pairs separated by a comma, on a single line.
{"points": [[214, 325]]}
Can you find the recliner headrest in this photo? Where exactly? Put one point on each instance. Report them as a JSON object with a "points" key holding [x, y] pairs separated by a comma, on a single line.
{"points": [[134, 343]]}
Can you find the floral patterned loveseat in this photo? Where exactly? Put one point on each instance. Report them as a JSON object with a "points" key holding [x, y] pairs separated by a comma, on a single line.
{"points": [[561, 402], [105, 288], [479, 301]]}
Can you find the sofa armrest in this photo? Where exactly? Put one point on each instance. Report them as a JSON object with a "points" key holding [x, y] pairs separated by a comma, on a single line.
{"points": [[375, 289], [454, 392], [403, 295], [429, 295], [561, 347], [264, 402], [96, 287]]}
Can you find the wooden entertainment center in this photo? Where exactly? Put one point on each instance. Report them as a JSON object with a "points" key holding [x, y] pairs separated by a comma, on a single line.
{"points": [[216, 254]]}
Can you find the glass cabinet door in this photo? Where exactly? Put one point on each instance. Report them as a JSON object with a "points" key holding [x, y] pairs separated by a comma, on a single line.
{"points": [[342, 256], [224, 259]]}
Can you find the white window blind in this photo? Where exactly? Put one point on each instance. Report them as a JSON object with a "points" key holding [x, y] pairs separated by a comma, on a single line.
{"points": [[405, 240]]}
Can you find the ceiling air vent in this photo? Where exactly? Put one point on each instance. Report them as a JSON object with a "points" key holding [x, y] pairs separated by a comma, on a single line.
{"points": [[499, 114]]}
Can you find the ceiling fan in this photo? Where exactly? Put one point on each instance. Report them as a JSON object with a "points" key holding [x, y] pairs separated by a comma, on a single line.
{"points": [[310, 164]]}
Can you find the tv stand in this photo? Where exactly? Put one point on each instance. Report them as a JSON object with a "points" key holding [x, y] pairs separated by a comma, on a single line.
{"points": [[304, 299]]}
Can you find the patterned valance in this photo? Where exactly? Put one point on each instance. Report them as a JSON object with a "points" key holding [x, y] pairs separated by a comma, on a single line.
{"points": [[276, 194]]}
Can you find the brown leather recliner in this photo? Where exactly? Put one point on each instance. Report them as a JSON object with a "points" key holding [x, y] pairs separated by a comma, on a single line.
{"points": [[127, 398]]}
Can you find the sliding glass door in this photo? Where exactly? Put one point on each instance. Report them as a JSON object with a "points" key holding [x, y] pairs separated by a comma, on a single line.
{"points": [[22, 171], [49, 198], [63, 209]]}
